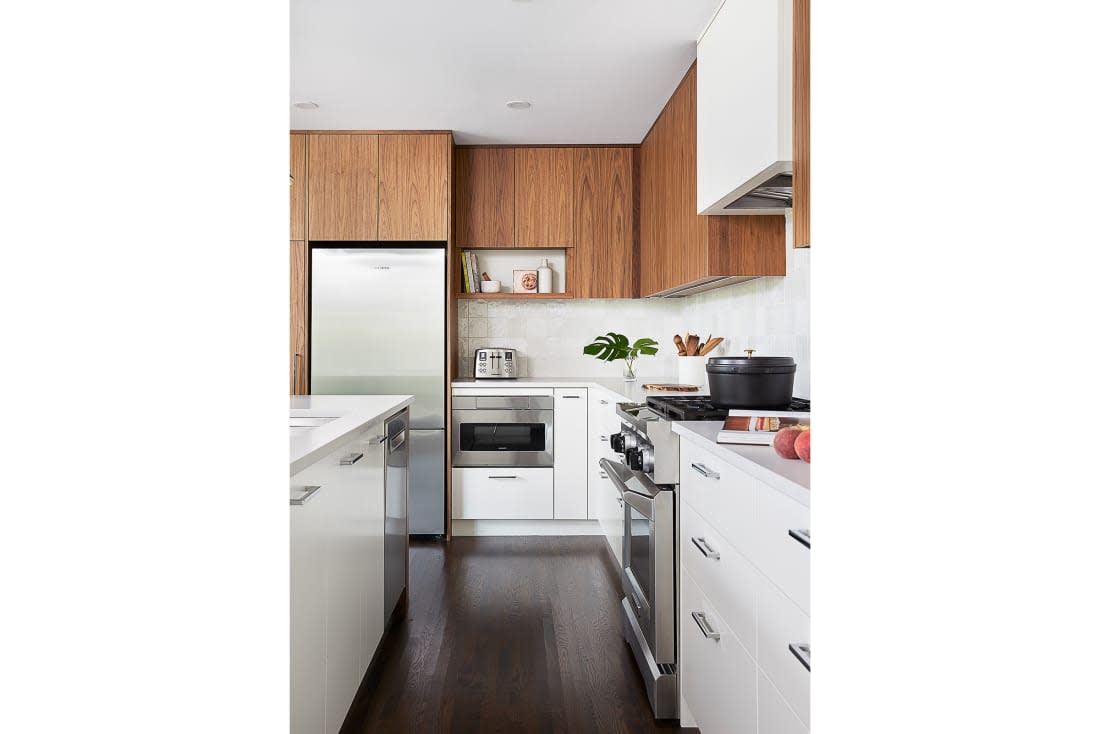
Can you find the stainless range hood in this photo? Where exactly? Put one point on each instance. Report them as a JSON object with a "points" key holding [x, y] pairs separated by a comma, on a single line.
{"points": [[771, 195]]}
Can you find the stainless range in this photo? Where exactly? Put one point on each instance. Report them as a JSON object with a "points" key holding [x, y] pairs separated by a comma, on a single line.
{"points": [[647, 476]]}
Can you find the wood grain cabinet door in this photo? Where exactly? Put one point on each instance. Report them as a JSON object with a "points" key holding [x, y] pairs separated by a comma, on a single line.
{"points": [[485, 197], [603, 195], [297, 186], [299, 314], [544, 197], [413, 186], [343, 187]]}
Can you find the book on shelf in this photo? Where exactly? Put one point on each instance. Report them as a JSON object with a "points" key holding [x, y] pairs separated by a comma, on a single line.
{"points": [[465, 274], [475, 275]]}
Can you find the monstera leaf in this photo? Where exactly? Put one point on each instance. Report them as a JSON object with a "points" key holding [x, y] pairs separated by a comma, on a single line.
{"points": [[614, 346]]}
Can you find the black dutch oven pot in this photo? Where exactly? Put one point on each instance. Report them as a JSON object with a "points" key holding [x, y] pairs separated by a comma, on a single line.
{"points": [[766, 383]]}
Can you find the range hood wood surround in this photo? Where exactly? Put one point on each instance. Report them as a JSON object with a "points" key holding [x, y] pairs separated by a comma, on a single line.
{"points": [[682, 252]]}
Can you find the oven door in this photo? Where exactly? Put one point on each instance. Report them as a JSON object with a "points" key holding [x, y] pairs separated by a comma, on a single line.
{"points": [[649, 558], [491, 432]]}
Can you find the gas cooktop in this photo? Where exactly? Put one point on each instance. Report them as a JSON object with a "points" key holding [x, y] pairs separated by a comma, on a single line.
{"points": [[696, 408]]}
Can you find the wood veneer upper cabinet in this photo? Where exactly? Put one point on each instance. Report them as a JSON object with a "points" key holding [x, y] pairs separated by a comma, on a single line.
{"points": [[678, 246], [485, 197], [603, 194], [299, 316], [413, 186], [343, 187], [544, 197], [297, 186], [800, 148]]}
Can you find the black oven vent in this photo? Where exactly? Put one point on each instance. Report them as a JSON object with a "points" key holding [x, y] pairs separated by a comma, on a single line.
{"points": [[667, 668]]}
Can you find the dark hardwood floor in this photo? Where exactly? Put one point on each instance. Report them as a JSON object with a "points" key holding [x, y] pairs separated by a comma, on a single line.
{"points": [[508, 635]]}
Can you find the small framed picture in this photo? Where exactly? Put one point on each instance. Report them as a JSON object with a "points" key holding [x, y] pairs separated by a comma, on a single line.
{"points": [[525, 281]]}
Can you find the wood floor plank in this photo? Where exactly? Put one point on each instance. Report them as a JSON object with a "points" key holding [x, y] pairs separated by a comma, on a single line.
{"points": [[509, 635]]}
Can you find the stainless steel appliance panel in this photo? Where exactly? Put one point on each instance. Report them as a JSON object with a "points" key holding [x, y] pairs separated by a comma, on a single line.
{"points": [[427, 470], [396, 540], [502, 431], [377, 326]]}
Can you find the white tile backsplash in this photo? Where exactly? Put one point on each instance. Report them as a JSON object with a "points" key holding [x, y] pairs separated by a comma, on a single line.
{"points": [[770, 315]]}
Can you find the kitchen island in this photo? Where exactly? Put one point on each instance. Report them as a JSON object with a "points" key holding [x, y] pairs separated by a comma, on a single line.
{"points": [[348, 546]]}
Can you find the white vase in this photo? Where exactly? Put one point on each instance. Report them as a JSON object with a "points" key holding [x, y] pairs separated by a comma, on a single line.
{"points": [[693, 371]]}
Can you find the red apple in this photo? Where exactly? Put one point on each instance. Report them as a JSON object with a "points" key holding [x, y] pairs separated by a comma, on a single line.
{"points": [[785, 440], [802, 446]]}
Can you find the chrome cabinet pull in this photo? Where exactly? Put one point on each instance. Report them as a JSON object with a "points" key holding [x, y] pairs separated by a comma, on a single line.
{"points": [[802, 536], [704, 626], [502, 476], [351, 459], [574, 397], [801, 651], [603, 475], [307, 492], [704, 548], [603, 438], [705, 471], [603, 402], [378, 439]]}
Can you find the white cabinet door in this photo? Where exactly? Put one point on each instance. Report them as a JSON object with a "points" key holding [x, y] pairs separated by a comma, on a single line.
{"points": [[308, 525], [776, 716], [515, 493], [570, 453], [717, 674], [782, 625], [744, 96], [367, 476]]}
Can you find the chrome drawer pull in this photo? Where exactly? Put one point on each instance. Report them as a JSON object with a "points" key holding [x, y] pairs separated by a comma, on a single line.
{"points": [[307, 492], [603, 402], [705, 471], [704, 625], [801, 651], [575, 397], [351, 459], [502, 476], [603, 438], [603, 475], [378, 439], [704, 548], [802, 536]]}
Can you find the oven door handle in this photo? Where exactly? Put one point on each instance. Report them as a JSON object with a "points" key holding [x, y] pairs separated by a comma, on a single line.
{"points": [[613, 474]]}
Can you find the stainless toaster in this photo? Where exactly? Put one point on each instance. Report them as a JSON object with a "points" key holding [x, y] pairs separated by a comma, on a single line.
{"points": [[495, 363]]}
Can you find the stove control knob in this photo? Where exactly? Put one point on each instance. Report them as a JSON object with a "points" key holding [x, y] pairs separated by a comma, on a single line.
{"points": [[618, 444], [634, 459], [630, 440], [646, 459]]}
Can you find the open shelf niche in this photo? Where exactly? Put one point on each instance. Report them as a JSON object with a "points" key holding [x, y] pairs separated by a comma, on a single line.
{"points": [[499, 262]]}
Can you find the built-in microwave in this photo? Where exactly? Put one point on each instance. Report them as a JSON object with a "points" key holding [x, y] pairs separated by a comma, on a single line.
{"points": [[502, 430]]}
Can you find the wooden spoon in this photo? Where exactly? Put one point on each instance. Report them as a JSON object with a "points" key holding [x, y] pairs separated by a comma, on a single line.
{"points": [[679, 342], [710, 345], [692, 345]]}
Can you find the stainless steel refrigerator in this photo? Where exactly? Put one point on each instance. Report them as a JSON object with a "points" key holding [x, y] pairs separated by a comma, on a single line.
{"points": [[378, 327]]}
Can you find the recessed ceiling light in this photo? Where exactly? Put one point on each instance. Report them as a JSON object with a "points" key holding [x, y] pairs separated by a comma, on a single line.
{"points": [[306, 105], [518, 104]]}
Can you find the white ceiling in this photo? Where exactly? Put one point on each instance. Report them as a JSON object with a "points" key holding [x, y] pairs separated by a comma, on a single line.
{"points": [[595, 71]]}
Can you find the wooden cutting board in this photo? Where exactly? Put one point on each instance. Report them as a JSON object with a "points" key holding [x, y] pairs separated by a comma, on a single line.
{"points": [[669, 388]]}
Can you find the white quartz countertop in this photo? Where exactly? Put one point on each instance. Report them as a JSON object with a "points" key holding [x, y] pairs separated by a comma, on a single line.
{"points": [[627, 391], [350, 413], [789, 476]]}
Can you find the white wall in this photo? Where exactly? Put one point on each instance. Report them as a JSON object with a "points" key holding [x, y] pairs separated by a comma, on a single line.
{"points": [[771, 315]]}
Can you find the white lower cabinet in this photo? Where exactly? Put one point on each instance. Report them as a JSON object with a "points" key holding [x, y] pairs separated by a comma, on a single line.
{"points": [[776, 716], [783, 624], [743, 564], [336, 582], [604, 499], [717, 674], [514, 493], [570, 453]]}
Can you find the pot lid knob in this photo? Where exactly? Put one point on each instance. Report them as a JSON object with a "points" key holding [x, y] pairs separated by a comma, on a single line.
{"points": [[749, 352]]}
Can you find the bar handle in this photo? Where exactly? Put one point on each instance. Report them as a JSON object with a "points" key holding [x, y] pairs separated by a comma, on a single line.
{"points": [[603, 402], [307, 493], [603, 438], [572, 397], [801, 651], [503, 476], [802, 536], [351, 459], [704, 626], [294, 380], [704, 548], [702, 469]]}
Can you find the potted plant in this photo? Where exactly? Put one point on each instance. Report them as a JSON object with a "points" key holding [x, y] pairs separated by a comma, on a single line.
{"points": [[616, 346]]}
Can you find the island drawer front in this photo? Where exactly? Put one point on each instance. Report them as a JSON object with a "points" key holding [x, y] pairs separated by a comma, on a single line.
{"points": [[513, 493], [725, 497], [717, 676], [782, 624], [784, 558], [723, 574]]}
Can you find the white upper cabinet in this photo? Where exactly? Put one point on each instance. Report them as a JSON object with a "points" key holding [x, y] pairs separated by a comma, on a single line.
{"points": [[744, 102]]}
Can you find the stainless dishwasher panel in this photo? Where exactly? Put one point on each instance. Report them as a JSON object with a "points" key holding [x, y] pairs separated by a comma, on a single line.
{"points": [[396, 546]]}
